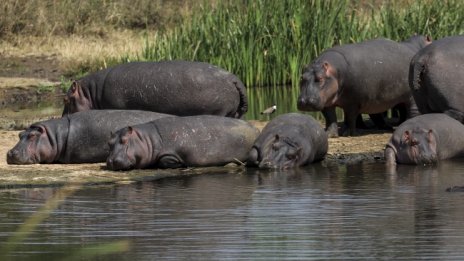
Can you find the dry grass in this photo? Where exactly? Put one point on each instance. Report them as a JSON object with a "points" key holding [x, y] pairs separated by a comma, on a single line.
{"points": [[77, 53]]}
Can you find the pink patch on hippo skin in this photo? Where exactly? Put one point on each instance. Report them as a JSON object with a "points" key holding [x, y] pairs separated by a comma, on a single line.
{"points": [[329, 93], [77, 99]]}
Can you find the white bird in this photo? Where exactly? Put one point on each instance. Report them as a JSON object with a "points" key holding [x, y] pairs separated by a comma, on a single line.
{"points": [[270, 110]]}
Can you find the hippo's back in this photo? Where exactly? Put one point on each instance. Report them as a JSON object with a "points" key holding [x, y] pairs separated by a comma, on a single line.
{"points": [[207, 139], [176, 87]]}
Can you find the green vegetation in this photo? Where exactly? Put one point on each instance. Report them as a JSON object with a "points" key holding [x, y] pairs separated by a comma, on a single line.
{"points": [[267, 42]]}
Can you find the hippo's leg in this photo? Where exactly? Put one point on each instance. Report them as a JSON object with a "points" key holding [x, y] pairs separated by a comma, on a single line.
{"points": [[455, 114], [379, 121], [411, 110], [170, 162], [349, 126], [390, 156], [331, 125], [360, 123]]}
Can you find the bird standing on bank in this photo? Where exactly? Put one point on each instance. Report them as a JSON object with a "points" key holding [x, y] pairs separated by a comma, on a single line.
{"points": [[270, 110]]}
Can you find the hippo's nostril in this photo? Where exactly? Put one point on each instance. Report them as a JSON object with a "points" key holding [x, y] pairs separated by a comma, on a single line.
{"points": [[12, 153]]}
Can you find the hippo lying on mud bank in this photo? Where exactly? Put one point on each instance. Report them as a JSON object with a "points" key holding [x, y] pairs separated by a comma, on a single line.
{"points": [[426, 139], [76, 138], [369, 77], [194, 141], [174, 87], [290, 140], [437, 77]]}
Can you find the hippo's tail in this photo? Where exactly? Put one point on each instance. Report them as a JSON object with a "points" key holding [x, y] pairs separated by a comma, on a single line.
{"points": [[243, 104], [416, 72]]}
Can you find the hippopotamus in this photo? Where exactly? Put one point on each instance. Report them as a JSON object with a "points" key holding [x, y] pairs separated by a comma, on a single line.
{"points": [[289, 140], [426, 139], [190, 141], [180, 88], [436, 77], [76, 138], [368, 77]]}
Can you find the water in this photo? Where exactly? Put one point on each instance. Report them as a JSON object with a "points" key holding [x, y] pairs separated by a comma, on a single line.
{"points": [[314, 213]]}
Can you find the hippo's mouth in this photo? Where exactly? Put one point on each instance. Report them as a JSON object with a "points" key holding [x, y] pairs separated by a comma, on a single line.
{"points": [[309, 104], [14, 158], [120, 164]]}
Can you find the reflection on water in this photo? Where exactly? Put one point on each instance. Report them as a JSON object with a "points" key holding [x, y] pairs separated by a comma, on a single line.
{"points": [[284, 97], [342, 212]]}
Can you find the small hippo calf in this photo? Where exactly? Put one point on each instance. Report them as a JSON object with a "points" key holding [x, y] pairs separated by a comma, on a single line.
{"points": [[290, 140], [426, 139], [193, 141], [77, 138]]}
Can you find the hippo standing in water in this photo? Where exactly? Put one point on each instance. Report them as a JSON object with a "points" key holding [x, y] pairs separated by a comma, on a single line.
{"points": [[193, 141], [437, 77], [174, 87], [76, 138], [369, 77], [289, 140], [426, 139]]}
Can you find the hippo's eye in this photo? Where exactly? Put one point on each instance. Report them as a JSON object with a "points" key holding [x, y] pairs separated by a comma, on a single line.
{"points": [[276, 146]]}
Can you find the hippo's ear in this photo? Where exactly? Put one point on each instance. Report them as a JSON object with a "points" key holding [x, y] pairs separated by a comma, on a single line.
{"points": [[428, 39], [41, 129], [329, 70], [276, 137], [129, 130], [406, 136], [74, 87], [431, 139]]}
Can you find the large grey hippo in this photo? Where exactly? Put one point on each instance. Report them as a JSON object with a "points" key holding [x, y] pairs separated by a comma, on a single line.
{"points": [[76, 138], [437, 77], [368, 77], [191, 141], [289, 140], [426, 139], [174, 87]]}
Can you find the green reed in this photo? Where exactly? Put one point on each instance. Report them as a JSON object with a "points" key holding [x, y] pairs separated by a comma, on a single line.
{"points": [[267, 42]]}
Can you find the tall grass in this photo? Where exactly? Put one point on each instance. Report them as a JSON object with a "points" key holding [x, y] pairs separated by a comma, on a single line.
{"points": [[267, 42]]}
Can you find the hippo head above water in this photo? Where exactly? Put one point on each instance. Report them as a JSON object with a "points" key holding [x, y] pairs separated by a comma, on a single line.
{"points": [[416, 146], [318, 87], [77, 99], [35, 146], [278, 152], [128, 150]]}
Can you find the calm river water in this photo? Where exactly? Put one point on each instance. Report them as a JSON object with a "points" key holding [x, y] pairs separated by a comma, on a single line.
{"points": [[313, 213]]}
